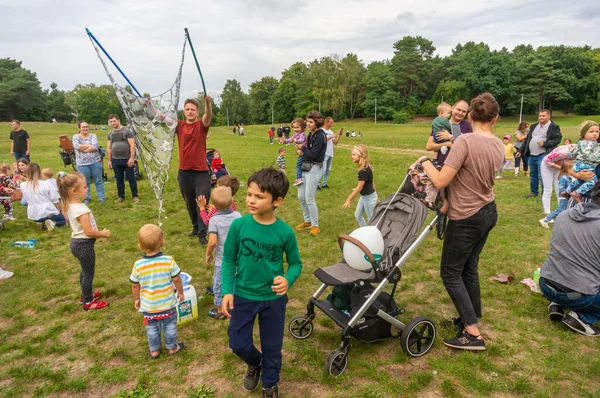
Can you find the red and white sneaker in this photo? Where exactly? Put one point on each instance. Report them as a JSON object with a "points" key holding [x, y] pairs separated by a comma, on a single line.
{"points": [[95, 305], [95, 295]]}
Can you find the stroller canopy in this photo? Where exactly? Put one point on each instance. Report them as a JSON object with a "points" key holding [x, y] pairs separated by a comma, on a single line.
{"points": [[399, 217]]}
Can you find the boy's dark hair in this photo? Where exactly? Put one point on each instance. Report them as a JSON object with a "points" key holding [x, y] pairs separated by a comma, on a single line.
{"points": [[281, 150], [192, 101], [229, 181], [114, 116], [272, 181], [317, 117], [16, 121]]}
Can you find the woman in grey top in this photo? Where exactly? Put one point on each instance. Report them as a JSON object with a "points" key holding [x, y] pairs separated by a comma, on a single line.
{"points": [[520, 136], [88, 160]]}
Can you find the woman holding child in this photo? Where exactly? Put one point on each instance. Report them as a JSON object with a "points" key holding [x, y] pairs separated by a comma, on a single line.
{"points": [[469, 172]]}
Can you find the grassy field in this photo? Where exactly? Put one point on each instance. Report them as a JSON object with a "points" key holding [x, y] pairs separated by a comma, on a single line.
{"points": [[50, 347]]}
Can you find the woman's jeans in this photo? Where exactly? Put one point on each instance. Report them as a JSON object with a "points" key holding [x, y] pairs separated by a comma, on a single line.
{"points": [[306, 194], [463, 243], [365, 204], [93, 172], [59, 219], [587, 307], [168, 327], [549, 180]]}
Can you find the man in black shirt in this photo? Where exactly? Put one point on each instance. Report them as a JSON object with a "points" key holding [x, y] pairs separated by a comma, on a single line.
{"points": [[20, 142]]}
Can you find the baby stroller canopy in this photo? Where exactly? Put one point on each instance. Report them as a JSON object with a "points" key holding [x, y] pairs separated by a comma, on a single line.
{"points": [[399, 217]]}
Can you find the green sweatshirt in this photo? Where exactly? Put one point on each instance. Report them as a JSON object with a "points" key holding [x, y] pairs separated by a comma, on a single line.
{"points": [[253, 257]]}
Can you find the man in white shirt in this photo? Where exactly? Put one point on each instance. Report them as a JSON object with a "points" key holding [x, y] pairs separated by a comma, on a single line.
{"points": [[332, 139]]}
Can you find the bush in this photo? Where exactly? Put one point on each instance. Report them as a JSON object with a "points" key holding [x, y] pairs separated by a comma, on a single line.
{"points": [[588, 107], [402, 116]]}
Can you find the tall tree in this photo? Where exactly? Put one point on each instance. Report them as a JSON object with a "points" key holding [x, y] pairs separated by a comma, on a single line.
{"points": [[94, 103], [261, 96], [57, 107], [352, 71], [381, 96], [410, 65], [21, 94], [293, 95], [234, 102]]}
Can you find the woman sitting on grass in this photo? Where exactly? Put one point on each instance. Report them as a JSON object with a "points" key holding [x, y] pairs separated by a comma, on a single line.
{"points": [[469, 173], [42, 199]]}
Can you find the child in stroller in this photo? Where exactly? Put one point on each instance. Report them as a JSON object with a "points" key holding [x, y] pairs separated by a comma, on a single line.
{"points": [[216, 166]]}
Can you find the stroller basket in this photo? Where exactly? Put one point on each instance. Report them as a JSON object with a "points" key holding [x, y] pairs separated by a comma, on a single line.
{"points": [[372, 311]]}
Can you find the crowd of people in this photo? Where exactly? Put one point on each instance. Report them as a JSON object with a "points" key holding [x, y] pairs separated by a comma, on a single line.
{"points": [[247, 252]]}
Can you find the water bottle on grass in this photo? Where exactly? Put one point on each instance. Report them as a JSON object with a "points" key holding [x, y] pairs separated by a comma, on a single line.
{"points": [[29, 244]]}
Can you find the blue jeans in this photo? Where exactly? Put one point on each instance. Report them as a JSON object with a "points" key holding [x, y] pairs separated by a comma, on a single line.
{"points": [[586, 306], [59, 219], [365, 204], [562, 205], [93, 172], [306, 194], [271, 324], [216, 280], [535, 175], [122, 173], [326, 169], [298, 167], [21, 155], [168, 327]]}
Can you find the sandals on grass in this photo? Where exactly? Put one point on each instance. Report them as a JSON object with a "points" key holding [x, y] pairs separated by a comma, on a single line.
{"points": [[214, 313]]}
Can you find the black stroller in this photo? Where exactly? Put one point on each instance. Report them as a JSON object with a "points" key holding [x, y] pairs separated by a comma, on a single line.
{"points": [[210, 154], [373, 311]]}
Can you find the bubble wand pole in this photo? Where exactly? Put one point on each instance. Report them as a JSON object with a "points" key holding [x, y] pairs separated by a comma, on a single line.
{"points": [[187, 34]]}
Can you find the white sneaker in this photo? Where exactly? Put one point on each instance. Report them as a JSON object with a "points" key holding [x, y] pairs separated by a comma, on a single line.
{"points": [[9, 217], [498, 177], [5, 274], [544, 223], [551, 221], [49, 225]]}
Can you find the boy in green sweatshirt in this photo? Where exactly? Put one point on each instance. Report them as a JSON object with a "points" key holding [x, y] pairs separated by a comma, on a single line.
{"points": [[254, 282]]}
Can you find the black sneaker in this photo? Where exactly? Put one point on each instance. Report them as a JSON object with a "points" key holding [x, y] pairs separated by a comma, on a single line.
{"points": [[252, 377], [454, 323], [202, 240], [531, 195], [466, 341], [325, 186], [576, 324], [272, 392], [194, 232], [209, 290], [556, 312]]}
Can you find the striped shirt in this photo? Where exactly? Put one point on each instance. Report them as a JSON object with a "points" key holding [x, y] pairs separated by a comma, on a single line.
{"points": [[154, 275]]}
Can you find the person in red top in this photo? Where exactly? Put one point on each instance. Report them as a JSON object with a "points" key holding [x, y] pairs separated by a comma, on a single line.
{"points": [[193, 176], [217, 165]]}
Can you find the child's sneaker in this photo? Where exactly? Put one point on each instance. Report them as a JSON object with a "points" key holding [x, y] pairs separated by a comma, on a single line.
{"points": [[272, 392], [49, 225], [297, 181], [252, 377], [95, 305], [544, 223], [95, 295], [209, 290]]}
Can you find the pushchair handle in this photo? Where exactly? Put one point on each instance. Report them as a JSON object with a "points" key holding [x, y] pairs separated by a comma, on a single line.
{"points": [[361, 246]]}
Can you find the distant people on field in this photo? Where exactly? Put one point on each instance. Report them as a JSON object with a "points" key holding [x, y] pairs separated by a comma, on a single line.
{"points": [[271, 134], [120, 150], [280, 161], [509, 153], [520, 136], [20, 145], [88, 160], [332, 139], [459, 127], [286, 131], [543, 137], [234, 129], [280, 132], [241, 129]]}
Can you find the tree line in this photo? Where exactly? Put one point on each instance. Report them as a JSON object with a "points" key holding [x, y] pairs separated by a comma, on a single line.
{"points": [[412, 82]]}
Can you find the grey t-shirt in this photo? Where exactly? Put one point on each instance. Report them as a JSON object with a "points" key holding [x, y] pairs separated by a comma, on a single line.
{"points": [[538, 134], [120, 145], [456, 130], [219, 224]]}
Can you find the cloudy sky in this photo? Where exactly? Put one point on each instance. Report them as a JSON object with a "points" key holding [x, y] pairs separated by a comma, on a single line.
{"points": [[249, 39]]}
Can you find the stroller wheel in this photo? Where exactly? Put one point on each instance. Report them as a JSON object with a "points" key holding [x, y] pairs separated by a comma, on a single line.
{"points": [[336, 363], [418, 336], [300, 327]]}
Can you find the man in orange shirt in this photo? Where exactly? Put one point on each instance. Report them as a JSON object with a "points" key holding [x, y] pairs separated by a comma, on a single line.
{"points": [[193, 176]]}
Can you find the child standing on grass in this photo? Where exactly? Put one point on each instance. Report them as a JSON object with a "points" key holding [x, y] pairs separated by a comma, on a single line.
{"points": [[152, 281], [299, 139], [587, 156], [73, 190], [253, 269], [564, 179], [281, 165], [217, 232], [7, 187], [509, 153], [366, 186]]}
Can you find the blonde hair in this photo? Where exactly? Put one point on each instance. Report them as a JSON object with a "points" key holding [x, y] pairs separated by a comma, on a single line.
{"points": [[363, 154], [565, 167], [221, 197], [150, 238], [66, 182], [5, 168], [47, 173], [33, 175], [443, 107]]}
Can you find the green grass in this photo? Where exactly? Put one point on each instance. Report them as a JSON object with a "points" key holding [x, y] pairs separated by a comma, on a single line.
{"points": [[50, 347]]}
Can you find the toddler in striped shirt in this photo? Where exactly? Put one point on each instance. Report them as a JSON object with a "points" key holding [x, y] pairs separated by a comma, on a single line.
{"points": [[152, 281]]}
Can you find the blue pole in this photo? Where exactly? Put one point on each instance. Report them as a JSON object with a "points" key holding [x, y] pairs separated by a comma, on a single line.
{"points": [[111, 60]]}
